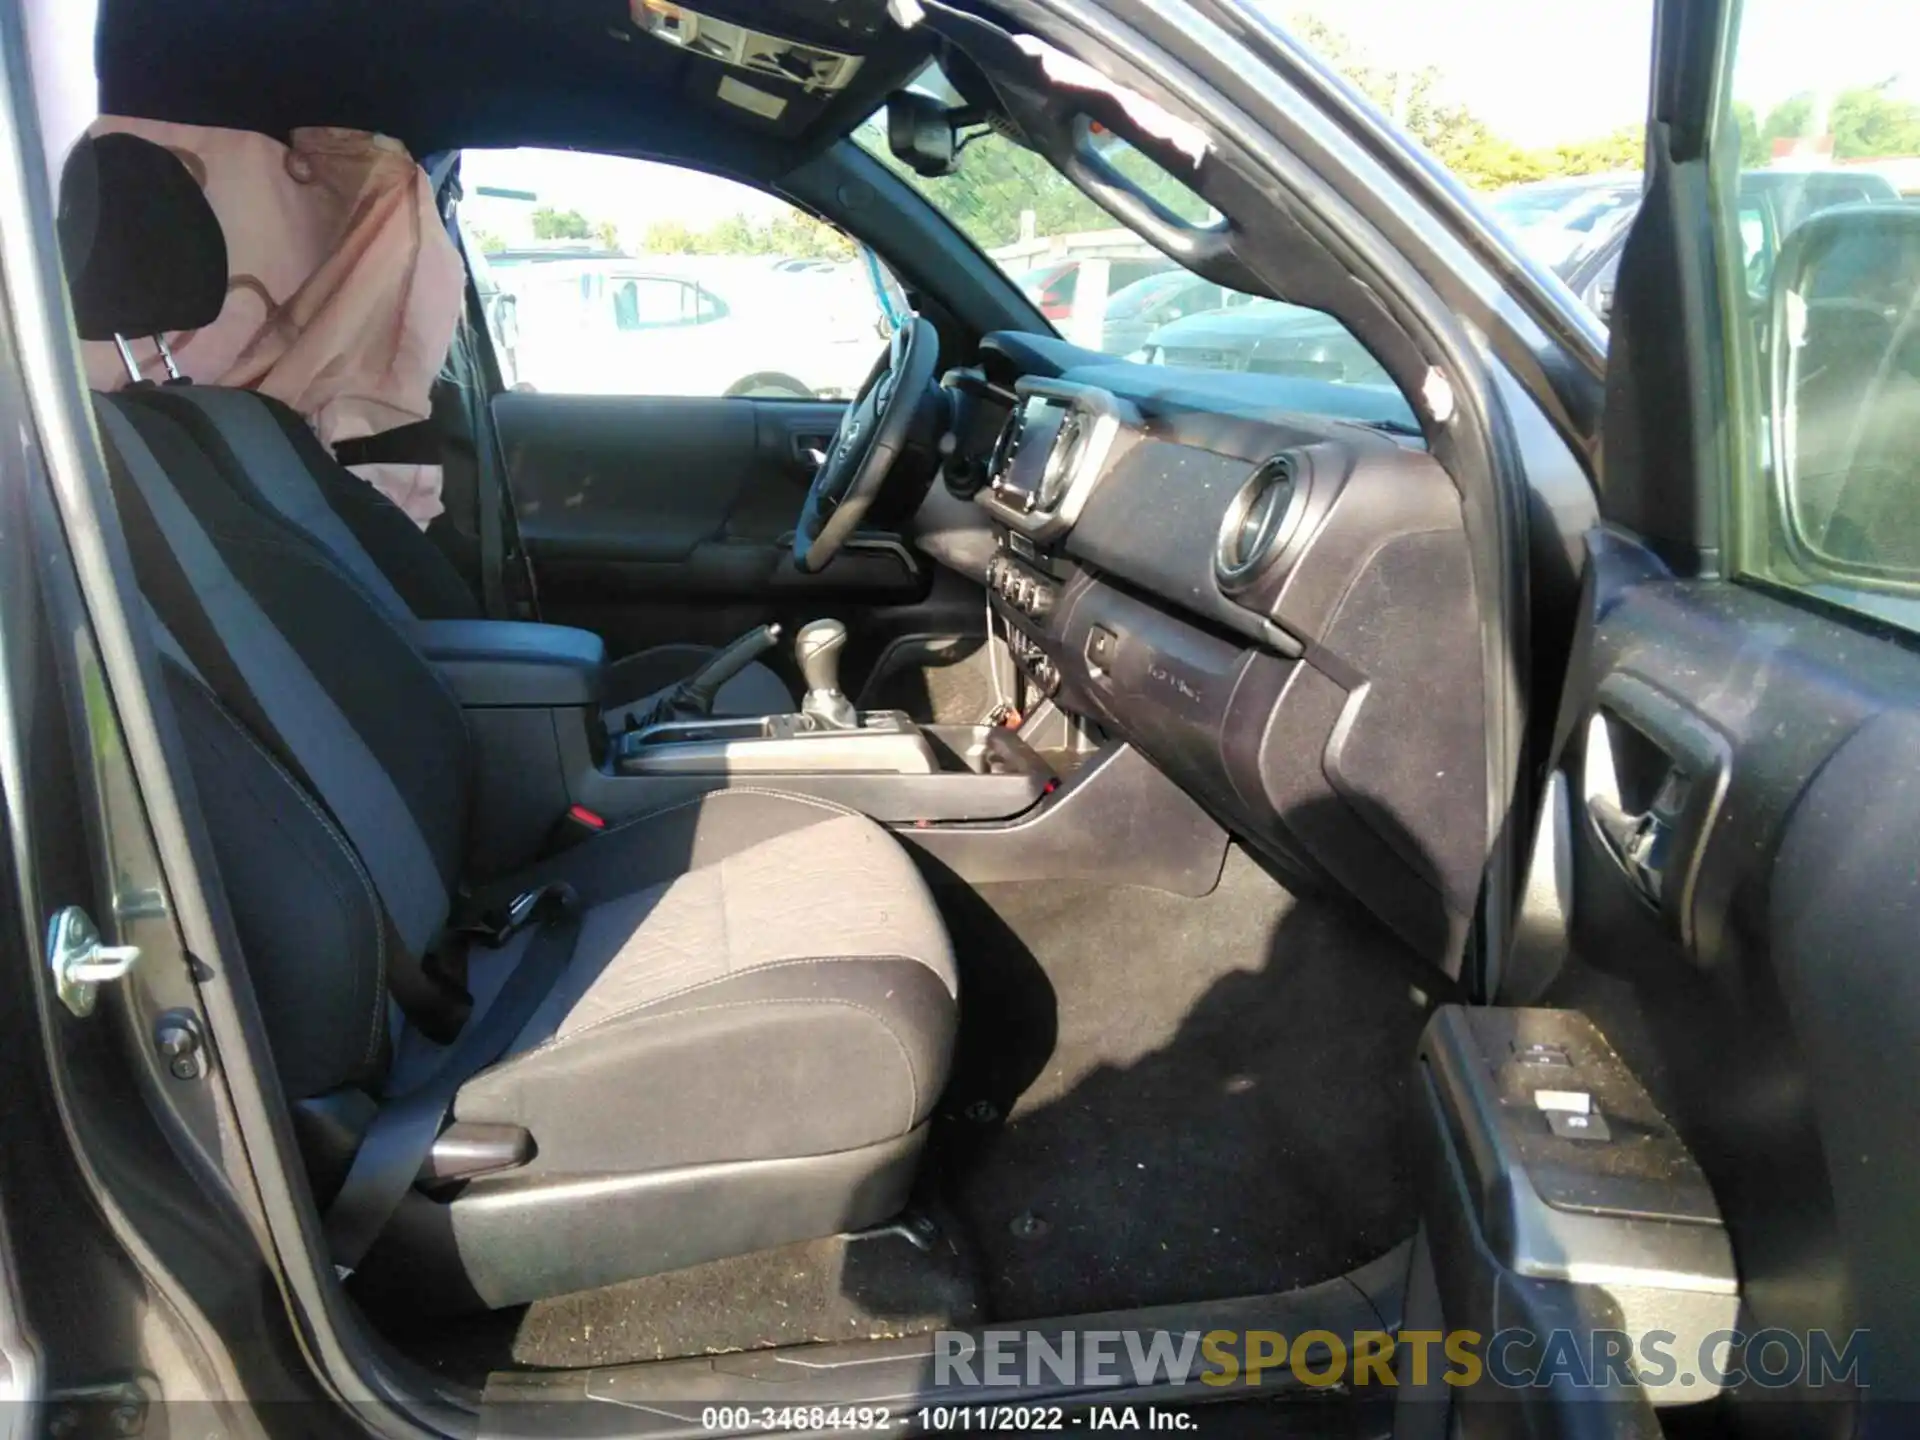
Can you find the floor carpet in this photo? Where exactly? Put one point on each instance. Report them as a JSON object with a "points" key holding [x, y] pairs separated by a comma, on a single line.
{"points": [[1163, 1099]]}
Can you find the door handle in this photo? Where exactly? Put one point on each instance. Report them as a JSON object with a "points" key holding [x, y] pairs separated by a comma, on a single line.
{"points": [[1653, 777], [810, 448], [1639, 844]]}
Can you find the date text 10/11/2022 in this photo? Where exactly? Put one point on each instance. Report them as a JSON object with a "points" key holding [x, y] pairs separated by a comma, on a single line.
{"points": [[936, 1419]]}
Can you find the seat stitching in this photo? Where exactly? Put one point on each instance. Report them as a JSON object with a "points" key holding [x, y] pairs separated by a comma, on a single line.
{"points": [[354, 864], [726, 930], [814, 801], [689, 989], [906, 1056]]}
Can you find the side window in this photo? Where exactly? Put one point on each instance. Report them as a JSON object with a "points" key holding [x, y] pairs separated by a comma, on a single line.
{"points": [[604, 275], [1820, 280]]}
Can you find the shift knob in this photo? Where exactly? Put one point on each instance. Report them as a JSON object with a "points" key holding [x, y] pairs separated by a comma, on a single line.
{"points": [[817, 647]]}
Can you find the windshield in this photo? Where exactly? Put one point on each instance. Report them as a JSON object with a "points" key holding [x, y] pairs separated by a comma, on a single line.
{"points": [[1104, 288]]}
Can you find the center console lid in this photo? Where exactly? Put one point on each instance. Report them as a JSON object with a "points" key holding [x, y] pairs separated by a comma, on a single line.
{"points": [[512, 663]]}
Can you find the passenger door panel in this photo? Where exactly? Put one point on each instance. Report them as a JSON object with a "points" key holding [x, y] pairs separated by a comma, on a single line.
{"points": [[1733, 821], [1764, 1013]]}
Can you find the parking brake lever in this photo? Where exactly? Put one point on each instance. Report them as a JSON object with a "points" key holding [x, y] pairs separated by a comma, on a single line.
{"points": [[698, 690], [693, 697]]}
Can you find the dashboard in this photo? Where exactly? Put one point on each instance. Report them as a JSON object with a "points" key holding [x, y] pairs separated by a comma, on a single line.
{"points": [[1264, 587]]}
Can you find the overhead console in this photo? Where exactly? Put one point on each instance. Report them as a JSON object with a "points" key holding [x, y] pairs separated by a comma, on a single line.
{"points": [[1276, 608]]}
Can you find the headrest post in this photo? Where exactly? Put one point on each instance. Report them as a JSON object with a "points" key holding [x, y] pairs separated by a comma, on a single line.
{"points": [[166, 357], [126, 358]]}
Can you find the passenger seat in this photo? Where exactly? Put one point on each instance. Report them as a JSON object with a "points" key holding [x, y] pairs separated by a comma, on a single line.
{"points": [[142, 246], [755, 1000]]}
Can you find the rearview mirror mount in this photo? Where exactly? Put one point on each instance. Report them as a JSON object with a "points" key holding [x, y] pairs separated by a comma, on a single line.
{"points": [[920, 133]]}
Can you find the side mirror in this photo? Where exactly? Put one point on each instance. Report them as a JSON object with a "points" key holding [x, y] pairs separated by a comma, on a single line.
{"points": [[1843, 391], [920, 133]]}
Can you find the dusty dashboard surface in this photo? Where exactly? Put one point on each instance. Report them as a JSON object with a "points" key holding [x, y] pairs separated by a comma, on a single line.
{"points": [[1276, 607]]}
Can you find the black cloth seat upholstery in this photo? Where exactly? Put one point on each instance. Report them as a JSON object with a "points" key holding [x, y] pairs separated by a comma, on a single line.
{"points": [[753, 1026], [143, 248]]}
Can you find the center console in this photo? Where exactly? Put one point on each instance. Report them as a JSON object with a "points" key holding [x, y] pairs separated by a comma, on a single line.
{"points": [[883, 742], [981, 802]]}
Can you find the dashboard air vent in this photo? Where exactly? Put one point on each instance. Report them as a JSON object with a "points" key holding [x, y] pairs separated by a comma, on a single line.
{"points": [[1005, 447], [1256, 522], [1062, 460]]}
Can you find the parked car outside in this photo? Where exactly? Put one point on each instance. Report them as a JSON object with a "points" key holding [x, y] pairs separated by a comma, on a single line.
{"points": [[697, 326], [1265, 337], [1556, 219], [1055, 287], [501, 307], [1579, 227], [1139, 309]]}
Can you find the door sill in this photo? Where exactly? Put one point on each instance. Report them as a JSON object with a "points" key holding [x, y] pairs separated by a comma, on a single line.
{"points": [[814, 1387]]}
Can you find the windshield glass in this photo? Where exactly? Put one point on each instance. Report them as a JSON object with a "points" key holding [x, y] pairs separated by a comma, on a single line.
{"points": [[1104, 288]]}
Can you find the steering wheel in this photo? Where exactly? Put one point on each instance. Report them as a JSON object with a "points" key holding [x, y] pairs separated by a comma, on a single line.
{"points": [[872, 433]]}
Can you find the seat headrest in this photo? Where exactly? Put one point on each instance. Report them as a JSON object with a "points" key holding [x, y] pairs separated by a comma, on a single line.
{"points": [[144, 253]]}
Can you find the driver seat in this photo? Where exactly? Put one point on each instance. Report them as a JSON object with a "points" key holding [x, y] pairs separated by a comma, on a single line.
{"points": [[136, 230]]}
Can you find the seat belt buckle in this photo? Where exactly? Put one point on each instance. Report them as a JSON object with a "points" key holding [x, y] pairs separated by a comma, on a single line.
{"points": [[578, 824], [529, 907]]}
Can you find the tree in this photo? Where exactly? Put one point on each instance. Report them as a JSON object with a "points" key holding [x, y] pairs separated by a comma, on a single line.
{"points": [[1453, 134], [1753, 147], [487, 242], [792, 234], [805, 238], [1867, 122], [1791, 119], [668, 237], [608, 234], [551, 224]]}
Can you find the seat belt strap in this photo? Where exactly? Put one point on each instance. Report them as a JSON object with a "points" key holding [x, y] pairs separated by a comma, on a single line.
{"points": [[229, 646], [401, 1136], [258, 673], [489, 494]]}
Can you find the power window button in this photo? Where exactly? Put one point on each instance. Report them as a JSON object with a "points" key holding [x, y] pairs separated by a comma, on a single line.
{"points": [[1540, 1055], [1569, 1126]]}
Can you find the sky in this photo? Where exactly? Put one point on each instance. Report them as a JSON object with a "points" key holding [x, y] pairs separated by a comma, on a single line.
{"points": [[1538, 71]]}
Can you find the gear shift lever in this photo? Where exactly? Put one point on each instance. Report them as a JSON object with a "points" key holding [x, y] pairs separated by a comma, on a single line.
{"points": [[817, 647]]}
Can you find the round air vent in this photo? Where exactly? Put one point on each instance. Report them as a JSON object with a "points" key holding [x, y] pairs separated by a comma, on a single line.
{"points": [[1256, 523], [1005, 447], [1062, 460]]}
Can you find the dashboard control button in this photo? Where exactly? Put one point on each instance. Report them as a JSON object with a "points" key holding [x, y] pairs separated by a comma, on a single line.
{"points": [[1101, 645]]}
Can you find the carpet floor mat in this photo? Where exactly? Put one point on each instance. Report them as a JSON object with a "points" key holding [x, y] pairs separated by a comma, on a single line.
{"points": [[1161, 1099]]}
